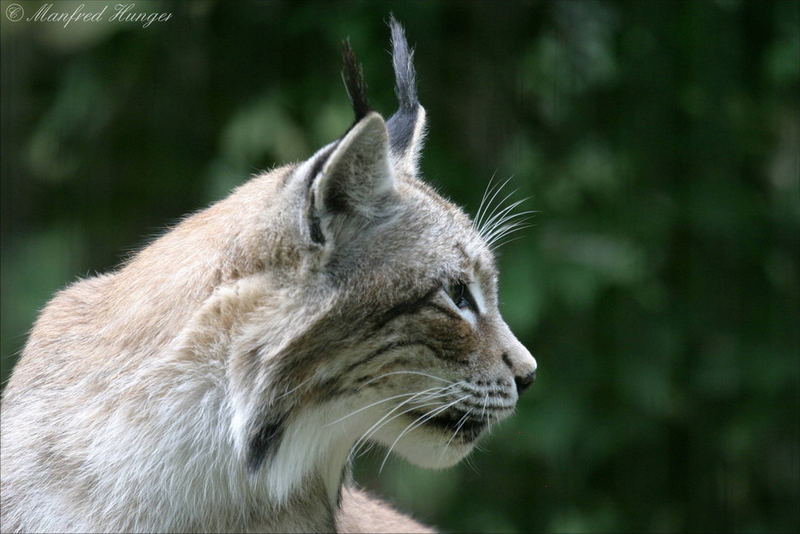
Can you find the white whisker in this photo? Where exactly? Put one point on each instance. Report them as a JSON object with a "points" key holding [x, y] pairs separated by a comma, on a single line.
{"points": [[364, 439], [375, 404], [506, 242], [416, 423], [519, 217], [405, 373], [506, 230], [479, 213], [494, 220], [458, 428], [383, 420], [498, 210], [298, 386], [508, 216], [500, 217], [480, 225]]}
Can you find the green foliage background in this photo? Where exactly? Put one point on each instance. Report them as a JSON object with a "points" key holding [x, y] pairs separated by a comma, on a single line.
{"points": [[658, 289]]}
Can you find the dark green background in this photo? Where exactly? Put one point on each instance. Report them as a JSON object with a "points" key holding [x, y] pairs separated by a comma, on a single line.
{"points": [[658, 288]]}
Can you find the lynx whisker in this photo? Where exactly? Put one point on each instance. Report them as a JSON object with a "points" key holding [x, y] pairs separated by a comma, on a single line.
{"points": [[471, 465], [364, 439], [507, 229], [486, 207], [485, 400], [496, 212], [406, 373], [458, 428], [292, 390], [416, 423], [501, 240], [513, 224], [500, 217], [507, 218], [383, 420], [370, 405], [388, 417], [482, 206], [505, 242]]}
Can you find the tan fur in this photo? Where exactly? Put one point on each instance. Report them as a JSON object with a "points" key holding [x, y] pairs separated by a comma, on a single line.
{"points": [[364, 514], [220, 379]]}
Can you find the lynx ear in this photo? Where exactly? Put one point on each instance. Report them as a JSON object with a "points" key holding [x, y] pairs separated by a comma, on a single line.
{"points": [[407, 125], [353, 184]]}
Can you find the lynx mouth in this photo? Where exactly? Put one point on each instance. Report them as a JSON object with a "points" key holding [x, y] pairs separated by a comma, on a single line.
{"points": [[468, 429]]}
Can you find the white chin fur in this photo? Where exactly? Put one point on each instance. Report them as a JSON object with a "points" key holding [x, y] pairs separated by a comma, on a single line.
{"points": [[424, 446]]}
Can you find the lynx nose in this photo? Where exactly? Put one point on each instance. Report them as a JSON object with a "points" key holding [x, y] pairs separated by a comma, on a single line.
{"points": [[519, 361], [524, 382]]}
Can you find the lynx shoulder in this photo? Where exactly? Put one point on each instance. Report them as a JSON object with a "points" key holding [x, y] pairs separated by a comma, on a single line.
{"points": [[222, 379]]}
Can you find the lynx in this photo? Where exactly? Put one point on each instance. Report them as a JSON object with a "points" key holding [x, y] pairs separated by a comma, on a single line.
{"points": [[222, 378]]}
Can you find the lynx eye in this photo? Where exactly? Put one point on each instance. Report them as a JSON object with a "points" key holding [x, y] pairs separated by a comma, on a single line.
{"points": [[460, 295]]}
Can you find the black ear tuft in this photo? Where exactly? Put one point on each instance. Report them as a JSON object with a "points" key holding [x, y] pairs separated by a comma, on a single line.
{"points": [[407, 125], [403, 61], [353, 77]]}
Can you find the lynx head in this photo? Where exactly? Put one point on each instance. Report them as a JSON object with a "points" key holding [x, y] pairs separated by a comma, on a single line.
{"points": [[391, 331]]}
